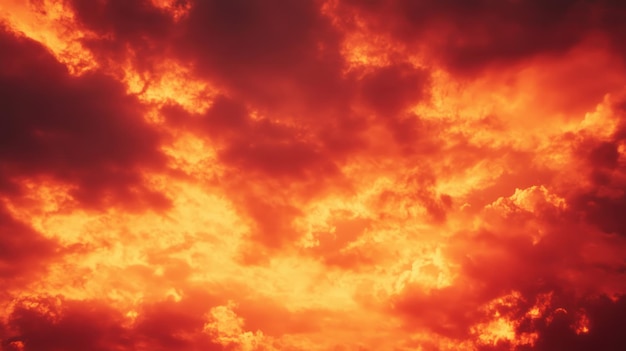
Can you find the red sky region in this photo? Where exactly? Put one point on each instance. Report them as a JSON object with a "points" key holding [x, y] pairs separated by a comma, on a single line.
{"points": [[312, 175]]}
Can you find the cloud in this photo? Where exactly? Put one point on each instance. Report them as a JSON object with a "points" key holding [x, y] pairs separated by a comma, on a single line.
{"points": [[24, 253], [52, 323], [471, 36], [602, 202], [312, 175], [83, 131], [529, 245]]}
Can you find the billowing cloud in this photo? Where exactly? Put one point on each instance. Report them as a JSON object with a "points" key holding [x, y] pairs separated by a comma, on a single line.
{"points": [[312, 175]]}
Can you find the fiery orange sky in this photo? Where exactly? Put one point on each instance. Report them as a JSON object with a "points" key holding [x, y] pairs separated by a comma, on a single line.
{"points": [[313, 175]]}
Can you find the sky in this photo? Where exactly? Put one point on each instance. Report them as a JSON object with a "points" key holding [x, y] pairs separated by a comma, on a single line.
{"points": [[312, 175]]}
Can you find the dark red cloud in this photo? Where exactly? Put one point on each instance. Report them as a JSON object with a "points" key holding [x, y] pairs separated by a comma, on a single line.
{"points": [[84, 132], [24, 253], [556, 329], [55, 323], [472, 35], [389, 91], [605, 315], [262, 146], [603, 201], [279, 56], [124, 30], [126, 21]]}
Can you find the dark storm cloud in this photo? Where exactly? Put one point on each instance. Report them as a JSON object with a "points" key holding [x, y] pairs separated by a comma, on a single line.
{"points": [[279, 55], [45, 324], [261, 146], [468, 36], [54, 323], [389, 91], [24, 253], [603, 203], [83, 131], [126, 21], [606, 319], [272, 54], [124, 30]]}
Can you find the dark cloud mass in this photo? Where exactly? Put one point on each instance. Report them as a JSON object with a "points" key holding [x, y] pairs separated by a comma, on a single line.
{"points": [[278, 55], [24, 253], [472, 35], [250, 175], [82, 131], [52, 323]]}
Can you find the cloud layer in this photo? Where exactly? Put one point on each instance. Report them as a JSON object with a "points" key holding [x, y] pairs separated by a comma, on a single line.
{"points": [[312, 175]]}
